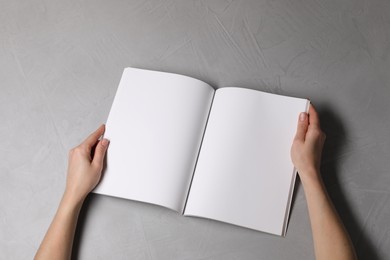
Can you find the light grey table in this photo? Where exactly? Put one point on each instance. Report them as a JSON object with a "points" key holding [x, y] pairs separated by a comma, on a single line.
{"points": [[60, 64]]}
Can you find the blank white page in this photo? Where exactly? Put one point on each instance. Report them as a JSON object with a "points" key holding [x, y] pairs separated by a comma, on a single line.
{"points": [[155, 128], [244, 173]]}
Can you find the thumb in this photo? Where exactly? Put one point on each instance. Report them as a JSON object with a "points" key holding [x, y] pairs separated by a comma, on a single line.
{"points": [[303, 124], [100, 152]]}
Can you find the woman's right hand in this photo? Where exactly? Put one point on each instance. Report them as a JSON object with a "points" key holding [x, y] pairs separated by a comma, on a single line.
{"points": [[307, 146]]}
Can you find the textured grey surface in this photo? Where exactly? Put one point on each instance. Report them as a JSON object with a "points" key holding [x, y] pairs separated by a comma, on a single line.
{"points": [[60, 65]]}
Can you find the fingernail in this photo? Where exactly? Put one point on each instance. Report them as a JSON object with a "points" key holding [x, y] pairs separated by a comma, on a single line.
{"points": [[105, 142], [302, 116]]}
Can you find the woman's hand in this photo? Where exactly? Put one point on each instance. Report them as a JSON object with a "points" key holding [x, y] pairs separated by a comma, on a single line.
{"points": [[307, 146], [85, 166]]}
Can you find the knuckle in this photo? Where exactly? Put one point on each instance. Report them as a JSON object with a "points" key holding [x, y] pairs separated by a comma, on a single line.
{"points": [[317, 132], [76, 150], [97, 166]]}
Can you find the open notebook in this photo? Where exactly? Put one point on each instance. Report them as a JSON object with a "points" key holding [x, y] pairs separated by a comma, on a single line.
{"points": [[221, 154]]}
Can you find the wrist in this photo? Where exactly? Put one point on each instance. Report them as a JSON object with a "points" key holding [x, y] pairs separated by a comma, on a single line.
{"points": [[310, 177], [71, 200]]}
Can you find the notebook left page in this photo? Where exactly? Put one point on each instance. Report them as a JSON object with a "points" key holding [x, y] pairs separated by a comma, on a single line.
{"points": [[155, 128]]}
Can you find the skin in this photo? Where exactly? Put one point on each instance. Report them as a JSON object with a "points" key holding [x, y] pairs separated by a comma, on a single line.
{"points": [[331, 240], [84, 172]]}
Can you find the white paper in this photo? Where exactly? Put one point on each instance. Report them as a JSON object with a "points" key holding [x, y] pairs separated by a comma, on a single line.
{"points": [[244, 173], [155, 127]]}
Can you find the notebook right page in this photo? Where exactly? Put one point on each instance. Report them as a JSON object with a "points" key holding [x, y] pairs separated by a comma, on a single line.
{"points": [[244, 174]]}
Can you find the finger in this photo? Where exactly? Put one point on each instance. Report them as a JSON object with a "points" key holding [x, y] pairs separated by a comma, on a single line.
{"points": [[313, 116], [94, 137], [303, 123], [100, 152]]}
